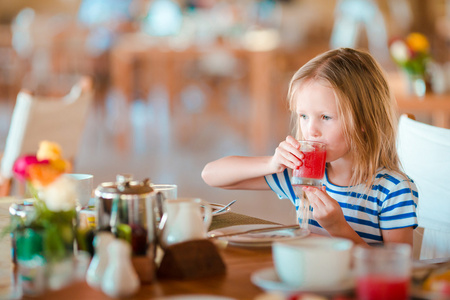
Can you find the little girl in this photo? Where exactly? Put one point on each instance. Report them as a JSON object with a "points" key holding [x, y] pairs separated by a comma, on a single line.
{"points": [[340, 98]]}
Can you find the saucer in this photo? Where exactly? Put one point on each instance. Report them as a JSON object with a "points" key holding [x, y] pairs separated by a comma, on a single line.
{"points": [[267, 279]]}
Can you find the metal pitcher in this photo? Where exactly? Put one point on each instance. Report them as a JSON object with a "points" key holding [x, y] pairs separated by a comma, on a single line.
{"points": [[126, 208]]}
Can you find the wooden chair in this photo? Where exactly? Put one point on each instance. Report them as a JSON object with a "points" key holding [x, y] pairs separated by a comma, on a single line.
{"points": [[424, 152], [35, 118]]}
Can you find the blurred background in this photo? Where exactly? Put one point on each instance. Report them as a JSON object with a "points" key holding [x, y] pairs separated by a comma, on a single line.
{"points": [[181, 83]]}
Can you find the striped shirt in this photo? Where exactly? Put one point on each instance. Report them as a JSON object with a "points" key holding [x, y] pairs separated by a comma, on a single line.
{"points": [[390, 204]]}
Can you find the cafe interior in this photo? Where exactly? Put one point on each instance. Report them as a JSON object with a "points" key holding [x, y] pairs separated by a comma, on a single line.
{"points": [[134, 94]]}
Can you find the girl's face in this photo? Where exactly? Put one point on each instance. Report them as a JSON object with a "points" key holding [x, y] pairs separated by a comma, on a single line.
{"points": [[319, 120]]}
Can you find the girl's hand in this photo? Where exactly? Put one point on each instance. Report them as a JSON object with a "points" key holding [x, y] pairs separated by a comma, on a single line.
{"points": [[326, 210], [287, 155]]}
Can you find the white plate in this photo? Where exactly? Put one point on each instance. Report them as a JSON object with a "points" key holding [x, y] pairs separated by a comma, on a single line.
{"points": [[258, 239], [267, 279]]}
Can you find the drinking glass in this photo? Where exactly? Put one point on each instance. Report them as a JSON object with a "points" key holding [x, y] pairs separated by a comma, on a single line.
{"points": [[310, 173], [168, 190], [383, 272], [163, 192]]}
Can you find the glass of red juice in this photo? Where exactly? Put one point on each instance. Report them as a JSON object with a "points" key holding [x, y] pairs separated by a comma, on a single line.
{"points": [[310, 173], [383, 272], [312, 170]]}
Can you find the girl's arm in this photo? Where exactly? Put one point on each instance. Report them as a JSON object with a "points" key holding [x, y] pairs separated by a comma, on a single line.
{"points": [[242, 172], [238, 172], [401, 235]]}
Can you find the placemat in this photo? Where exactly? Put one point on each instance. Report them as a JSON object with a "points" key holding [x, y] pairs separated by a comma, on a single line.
{"points": [[231, 219]]}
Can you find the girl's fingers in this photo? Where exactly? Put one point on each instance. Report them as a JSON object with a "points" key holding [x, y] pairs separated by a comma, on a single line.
{"points": [[288, 153], [322, 195], [313, 197], [290, 147], [295, 146], [293, 141], [289, 156], [319, 210], [314, 207]]}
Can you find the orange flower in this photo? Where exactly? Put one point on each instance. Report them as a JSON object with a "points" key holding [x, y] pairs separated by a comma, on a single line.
{"points": [[417, 42], [43, 174]]}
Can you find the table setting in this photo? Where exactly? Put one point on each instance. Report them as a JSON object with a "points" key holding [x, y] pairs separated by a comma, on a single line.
{"points": [[250, 272], [166, 246]]}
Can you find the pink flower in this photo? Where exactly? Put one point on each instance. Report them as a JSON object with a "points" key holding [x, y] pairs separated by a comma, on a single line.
{"points": [[22, 164]]}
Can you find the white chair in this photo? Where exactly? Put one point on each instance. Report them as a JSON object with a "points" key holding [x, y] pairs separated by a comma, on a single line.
{"points": [[34, 119], [424, 152]]}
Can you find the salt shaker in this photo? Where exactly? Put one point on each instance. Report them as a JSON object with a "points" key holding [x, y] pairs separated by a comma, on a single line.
{"points": [[99, 262], [120, 278]]}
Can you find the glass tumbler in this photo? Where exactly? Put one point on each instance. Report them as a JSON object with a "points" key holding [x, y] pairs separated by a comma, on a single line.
{"points": [[310, 173], [383, 272]]}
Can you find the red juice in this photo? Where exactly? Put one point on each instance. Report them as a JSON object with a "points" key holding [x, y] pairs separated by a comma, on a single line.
{"points": [[313, 165], [379, 287]]}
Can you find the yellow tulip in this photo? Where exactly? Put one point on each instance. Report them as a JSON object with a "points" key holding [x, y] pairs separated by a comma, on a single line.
{"points": [[61, 165], [49, 151]]}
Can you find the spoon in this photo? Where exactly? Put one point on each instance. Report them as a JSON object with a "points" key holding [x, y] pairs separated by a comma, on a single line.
{"points": [[224, 208]]}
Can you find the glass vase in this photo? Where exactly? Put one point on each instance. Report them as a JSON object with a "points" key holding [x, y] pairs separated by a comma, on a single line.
{"points": [[59, 249], [31, 264], [417, 84], [43, 247]]}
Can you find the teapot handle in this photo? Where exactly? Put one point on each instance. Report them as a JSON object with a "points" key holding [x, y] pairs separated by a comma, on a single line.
{"points": [[207, 219]]}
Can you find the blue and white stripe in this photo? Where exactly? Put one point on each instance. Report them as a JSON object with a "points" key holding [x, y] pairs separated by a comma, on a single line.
{"points": [[391, 203]]}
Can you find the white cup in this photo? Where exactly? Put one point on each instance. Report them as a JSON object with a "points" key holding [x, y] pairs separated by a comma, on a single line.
{"points": [[312, 261], [83, 187]]}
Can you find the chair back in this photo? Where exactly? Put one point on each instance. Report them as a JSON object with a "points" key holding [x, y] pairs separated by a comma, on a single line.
{"points": [[59, 120], [424, 152]]}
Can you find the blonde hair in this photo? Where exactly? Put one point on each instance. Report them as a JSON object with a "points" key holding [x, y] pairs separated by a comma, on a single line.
{"points": [[365, 104]]}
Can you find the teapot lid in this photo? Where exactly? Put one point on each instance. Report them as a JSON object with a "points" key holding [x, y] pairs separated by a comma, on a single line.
{"points": [[124, 185]]}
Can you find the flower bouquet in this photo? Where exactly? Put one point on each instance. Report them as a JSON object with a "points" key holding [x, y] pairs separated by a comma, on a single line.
{"points": [[43, 229], [412, 55]]}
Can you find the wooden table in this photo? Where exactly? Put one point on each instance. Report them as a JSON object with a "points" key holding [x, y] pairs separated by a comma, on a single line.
{"points": [[434, 105], [240, 262]]}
